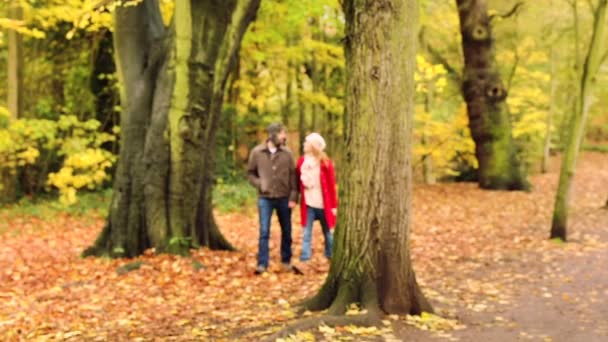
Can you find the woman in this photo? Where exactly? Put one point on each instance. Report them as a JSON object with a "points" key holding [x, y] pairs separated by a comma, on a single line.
{"points": [[315, 172]]}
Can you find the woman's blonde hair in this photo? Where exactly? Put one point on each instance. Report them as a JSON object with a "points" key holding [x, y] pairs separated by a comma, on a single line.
{"points": [[317, 153]]}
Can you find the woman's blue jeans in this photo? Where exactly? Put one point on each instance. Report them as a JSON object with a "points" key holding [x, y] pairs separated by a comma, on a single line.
{"points": [[313, 214]]}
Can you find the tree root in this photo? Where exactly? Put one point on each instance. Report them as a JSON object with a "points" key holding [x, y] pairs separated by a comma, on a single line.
{"points": [[97, 249], [217, 241], [336, 299], [366, 320]]}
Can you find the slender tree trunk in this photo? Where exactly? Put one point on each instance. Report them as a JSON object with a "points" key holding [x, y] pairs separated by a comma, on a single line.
{"points": [[173, 87], [316, 72], [288, 95], [573, 93], [371, 261], [233, 98], [427, 162], [301, 113], [578, 119], [485, 95], [15, 64], [550, 114]]}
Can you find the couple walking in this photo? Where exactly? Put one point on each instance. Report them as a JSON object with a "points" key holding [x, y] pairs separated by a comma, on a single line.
{"points": [[271, 170]]}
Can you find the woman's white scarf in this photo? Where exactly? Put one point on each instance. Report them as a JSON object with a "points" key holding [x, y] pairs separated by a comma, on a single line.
{"points": [[307, 176]]}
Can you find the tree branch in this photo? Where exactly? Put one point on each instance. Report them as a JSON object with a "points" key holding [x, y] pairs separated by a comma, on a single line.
{"points": [[591, 7], [513, 70], [437, 57], [243, 14], [513, 11]]}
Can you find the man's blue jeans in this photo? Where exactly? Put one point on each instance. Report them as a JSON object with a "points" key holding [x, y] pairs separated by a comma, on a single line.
{"points": [[313, 214], [265, 208]]}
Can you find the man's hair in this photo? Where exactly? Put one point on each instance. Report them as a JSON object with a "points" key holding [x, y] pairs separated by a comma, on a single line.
{"points": [[275, 128]]}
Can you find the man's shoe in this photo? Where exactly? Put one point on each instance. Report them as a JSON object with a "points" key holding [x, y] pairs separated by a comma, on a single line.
{"points": [[260, 270], [302, 267], [286, 267], [291, 268]]}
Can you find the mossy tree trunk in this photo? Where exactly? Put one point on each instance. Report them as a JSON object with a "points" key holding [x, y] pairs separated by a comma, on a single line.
{"points": [[15, 63], [9, 185], [173, 83], [576, 127], [371, 261], [485, 95]]}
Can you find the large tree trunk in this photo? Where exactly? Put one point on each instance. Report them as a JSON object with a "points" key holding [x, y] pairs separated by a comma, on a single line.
{"points": [[578, 119], [106, 98], [172, 92], [371, 261], [15, 64], [485, 95]]}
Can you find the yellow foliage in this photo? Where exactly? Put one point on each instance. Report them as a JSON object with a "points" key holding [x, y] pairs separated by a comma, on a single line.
{"points": [[77, 143], [84, 15], [166, 9], [429, 321], [80, 170], [528, 100], [428, 75], [29, 156], [19, 26], [329, 104], [445, 141], [326, 54]]}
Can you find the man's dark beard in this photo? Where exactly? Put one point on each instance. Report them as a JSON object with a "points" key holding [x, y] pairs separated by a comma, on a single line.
{"points": [[276, 141]]}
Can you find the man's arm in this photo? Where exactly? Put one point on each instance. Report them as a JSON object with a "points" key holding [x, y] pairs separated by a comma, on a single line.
{"points": [[252, 170], [293, 183]]}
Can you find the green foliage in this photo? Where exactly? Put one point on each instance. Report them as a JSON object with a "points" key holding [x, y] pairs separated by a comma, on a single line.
{"points": [[47, 206], [596, 148], [293, 47], [235, 196]]}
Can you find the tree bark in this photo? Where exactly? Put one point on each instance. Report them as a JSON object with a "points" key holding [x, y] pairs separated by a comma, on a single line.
{"points": [[173, 85], [576, 128], [371, 261], [485, 95], [15, 64]]}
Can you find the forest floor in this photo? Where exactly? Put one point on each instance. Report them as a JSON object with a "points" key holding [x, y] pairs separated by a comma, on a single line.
{"points": [[481, 257]]}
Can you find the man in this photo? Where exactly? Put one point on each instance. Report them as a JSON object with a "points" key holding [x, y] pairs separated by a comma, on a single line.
{"points": [[271, 170]]}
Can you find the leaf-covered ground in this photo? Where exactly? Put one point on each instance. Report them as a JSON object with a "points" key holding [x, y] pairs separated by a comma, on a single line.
{"points": [[482, 257]]}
